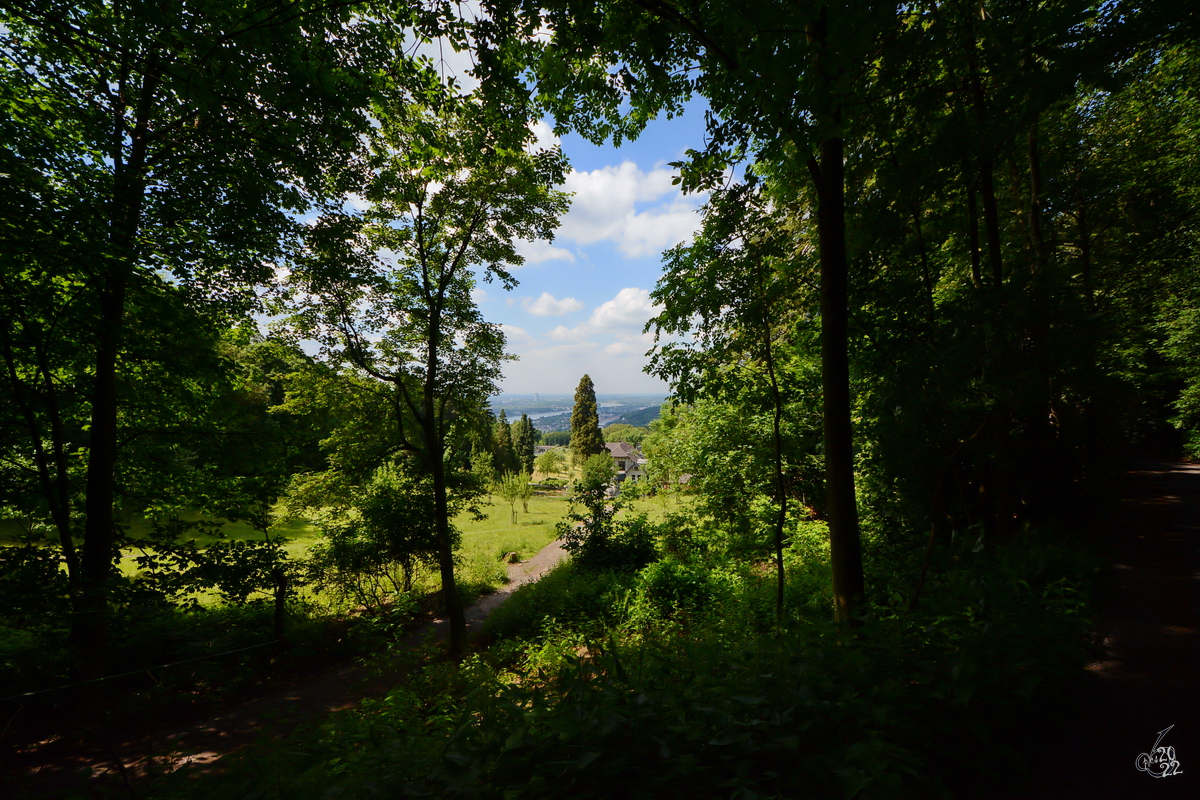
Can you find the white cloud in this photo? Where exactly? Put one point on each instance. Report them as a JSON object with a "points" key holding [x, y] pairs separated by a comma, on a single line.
{"points": [[539, 251], [609, 346], [515, 335], [544, 138], [548, 306], [478, 295], [605, 207], [561, 333], [628, 310], [621, 318]]}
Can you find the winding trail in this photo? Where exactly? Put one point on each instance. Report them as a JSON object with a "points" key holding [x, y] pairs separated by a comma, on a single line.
{"points": [[1148, 675], [123, 761]]}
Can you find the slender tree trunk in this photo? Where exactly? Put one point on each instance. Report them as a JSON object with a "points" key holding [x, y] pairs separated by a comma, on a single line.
{"points": [[780, 489], [89, 625], [841, 505], [1085, 253], [54, 489], [991, 220], [1035, 201], [972, 224], [926, 273], [60, 503], [991, 215], [434, 449], [1005, 475], [281, 587]]}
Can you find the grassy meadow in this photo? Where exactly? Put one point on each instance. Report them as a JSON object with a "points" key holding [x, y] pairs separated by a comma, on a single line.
{"points": [[484, 541]]}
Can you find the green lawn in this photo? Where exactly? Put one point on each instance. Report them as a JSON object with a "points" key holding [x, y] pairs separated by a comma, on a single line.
{"points": [[484, 542], [497, 535]]}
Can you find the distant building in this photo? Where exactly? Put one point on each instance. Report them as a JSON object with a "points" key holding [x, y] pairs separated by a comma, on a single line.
{"points": [[630, 464]]}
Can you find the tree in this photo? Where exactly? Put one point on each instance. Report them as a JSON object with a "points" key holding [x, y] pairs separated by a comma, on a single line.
{"points": [[728, 294], [624, 432], [861, 113], [514, 487], [505, 460], [129, 135], [789, 97], [586, 438], [372, 547], [523, 443], [557, 438], [448, 195], [551, 462], [595, 539]]}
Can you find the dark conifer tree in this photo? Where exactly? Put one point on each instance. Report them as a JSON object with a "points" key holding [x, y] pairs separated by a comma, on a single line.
{"points": [[586, 438], [523, 440], [505, 459]]}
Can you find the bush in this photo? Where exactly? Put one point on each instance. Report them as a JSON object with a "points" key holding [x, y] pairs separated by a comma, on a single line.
{"points": [[669, 586], [369, 555], [910, 705], [33, 586], [595, 539], [567, 596]]}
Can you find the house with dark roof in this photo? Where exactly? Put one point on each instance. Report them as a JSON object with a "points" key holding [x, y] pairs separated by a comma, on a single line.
{"points": [[630, 464]]}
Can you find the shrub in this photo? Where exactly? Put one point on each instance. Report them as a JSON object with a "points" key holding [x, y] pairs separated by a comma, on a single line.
{"points": [[570, 597], [910, 705], [33, 586], [595, 539], [370, 554]]}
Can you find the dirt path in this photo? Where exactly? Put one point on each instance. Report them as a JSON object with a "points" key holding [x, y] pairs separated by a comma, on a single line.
{"points": [[119, 760], [1148, 677]]}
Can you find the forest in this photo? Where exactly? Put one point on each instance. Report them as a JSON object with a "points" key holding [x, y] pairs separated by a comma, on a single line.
{"points": [[945, 288]]}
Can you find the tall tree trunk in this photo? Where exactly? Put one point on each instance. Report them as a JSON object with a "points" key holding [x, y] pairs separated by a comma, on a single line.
{"points": [[54, 488], [780, 488], [991, 220], [926, 273], [89, 624], [841, 505], [434, 450], [1085, 251], [972, 223], [281, 587], [60, 503], [987, 165], [1035, 200], [89, 629], [454, 604]]}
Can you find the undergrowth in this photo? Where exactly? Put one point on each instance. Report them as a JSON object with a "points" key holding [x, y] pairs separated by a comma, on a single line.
{"points": [[674, 680]]}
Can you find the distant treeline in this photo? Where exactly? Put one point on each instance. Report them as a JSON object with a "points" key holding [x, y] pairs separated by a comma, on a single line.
{"points": [[616, 432]]}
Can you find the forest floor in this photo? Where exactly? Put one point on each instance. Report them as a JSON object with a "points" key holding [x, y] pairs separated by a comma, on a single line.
{"points": [[1143, 679], [1146, 674], [128, 757]]}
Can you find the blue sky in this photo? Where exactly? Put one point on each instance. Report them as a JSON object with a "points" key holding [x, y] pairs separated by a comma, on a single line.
{"points": [[584, 298]]}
